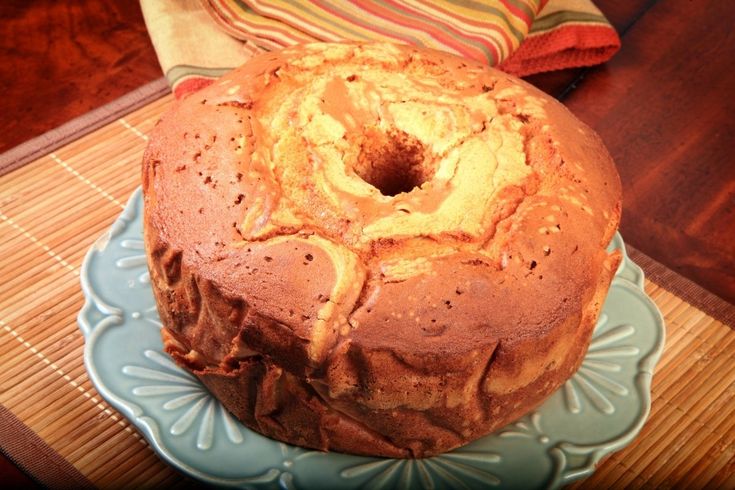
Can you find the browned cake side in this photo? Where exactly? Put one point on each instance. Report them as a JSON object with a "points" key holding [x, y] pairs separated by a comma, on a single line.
{"points": [[377, 249]]}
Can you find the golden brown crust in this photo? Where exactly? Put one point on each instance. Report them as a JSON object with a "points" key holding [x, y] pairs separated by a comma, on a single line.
{"points": [[377, 249]]}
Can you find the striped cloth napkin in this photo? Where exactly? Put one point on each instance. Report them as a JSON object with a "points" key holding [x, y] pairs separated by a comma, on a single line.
{"points": [[199, 40]]}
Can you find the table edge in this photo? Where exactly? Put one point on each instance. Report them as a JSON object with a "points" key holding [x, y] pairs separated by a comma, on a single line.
{"points": [[46, 143]]}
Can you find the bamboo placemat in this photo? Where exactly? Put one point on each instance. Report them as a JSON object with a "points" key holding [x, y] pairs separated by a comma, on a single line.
{"points": [[51, 211]]}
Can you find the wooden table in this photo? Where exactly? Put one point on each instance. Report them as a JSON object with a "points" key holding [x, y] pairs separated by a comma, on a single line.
{"points": [[664, 106]]}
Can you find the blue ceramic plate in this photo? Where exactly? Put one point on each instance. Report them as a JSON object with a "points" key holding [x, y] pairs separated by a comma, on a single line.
{"points": [[600, 410]]}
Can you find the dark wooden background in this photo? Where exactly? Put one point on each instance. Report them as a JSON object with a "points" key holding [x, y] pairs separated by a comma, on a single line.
{"points": [[665, 106], [61, 59]]}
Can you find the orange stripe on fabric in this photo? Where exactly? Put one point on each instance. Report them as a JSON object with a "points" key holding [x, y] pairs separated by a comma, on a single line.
{"points": [[387, 21], [293, 34], [386, 14], [362, 29], [489, 12], [507, 40], [525, 16], [276, 32], [433, 24], [262, 27], [230, 21], [331, 8], [290, 17], [452, 36], [386, 24]]}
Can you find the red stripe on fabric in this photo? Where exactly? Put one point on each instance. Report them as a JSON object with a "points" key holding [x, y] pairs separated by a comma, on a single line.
{"points": [[518, 12], [482, 25], [564, 47], [262, 32], [401, 18], [280, 18], [328, 7], [258, 38], [239, 32], [451, 39], [225, 23], [384, 13]]}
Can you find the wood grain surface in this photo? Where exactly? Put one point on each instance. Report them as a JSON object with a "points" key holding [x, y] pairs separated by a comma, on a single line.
{"points": [[59, 60], [622, 15], [664, 107]]}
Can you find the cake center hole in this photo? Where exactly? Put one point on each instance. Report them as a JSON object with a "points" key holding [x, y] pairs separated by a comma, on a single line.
{"points": [[392, 162]]}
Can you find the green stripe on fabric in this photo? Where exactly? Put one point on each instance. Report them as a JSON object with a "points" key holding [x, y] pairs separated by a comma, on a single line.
{"points": [[299, 5], [490, 10], [362, 22], [459, 39], [307, 12], [523, 6], [245, 7], [548, 22], [179, 71]]}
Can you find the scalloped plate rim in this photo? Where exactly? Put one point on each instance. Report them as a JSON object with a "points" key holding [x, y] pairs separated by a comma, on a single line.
{"points": [[148, 426]]}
